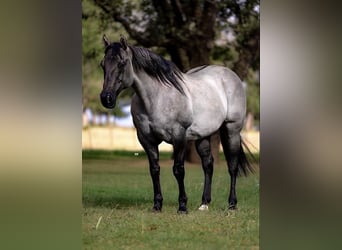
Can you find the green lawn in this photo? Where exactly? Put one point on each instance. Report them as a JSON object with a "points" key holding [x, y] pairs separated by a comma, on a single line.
{"points": [[117, 199]]}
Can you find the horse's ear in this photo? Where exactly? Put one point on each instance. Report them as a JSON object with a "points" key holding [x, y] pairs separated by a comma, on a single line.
{"points": [[123, 42], [105, 40]]}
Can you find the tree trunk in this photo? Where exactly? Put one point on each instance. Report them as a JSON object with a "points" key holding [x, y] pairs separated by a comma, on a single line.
{"points": [[249, 124], [179, 57]]}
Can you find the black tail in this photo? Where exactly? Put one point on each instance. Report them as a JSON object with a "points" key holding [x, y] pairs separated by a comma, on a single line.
{"points": [[244, 165]]}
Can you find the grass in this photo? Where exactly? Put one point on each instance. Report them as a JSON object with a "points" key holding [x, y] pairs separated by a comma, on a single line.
{"points": [[117, 199]]}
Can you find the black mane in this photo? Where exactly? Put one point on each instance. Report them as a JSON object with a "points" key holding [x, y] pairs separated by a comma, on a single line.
{"points": [[156, 66]]}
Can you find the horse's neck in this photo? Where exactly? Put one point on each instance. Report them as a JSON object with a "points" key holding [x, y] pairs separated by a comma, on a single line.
{"points": [[145, 87]]}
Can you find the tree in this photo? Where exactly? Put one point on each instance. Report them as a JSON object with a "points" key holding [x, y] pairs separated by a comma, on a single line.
{"points": [[187, 31]]}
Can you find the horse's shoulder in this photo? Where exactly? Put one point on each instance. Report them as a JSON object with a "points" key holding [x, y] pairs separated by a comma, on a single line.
{"points": [[137, 106]]}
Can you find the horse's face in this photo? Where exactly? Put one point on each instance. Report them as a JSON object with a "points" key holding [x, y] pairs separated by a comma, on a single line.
{"points": [[117, 70]]}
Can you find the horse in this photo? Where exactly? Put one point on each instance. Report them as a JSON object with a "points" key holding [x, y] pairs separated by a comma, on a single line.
{"points": [[176, 107]]}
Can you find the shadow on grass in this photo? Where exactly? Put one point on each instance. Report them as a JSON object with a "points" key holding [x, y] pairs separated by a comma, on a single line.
{"points": [[122, 202], [116, 201], [130, 199]]}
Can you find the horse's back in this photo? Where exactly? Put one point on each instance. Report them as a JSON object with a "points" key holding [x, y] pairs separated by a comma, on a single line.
{"points": [[222, 75], [223, 80], [218, 96]]}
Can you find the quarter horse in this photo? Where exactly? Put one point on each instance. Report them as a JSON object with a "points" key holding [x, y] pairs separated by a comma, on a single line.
{"points": [[174, 107]]}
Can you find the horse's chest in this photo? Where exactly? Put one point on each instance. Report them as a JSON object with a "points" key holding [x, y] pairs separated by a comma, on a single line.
{"points": [[164, 133], [164, 119], [169, 127]]}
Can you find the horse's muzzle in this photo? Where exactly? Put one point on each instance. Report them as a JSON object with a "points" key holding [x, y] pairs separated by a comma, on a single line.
{"points": [[107, 100]]}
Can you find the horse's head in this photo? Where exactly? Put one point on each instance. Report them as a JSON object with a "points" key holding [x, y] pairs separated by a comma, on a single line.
{"points": [[117, 69]]}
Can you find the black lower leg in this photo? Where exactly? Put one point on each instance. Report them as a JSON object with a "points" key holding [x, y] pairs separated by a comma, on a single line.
{"points": [[158, 198], [232, 200], [233, 170], [204, 151], [151, 149], [231, 145], [208, 174], [179, 173]]}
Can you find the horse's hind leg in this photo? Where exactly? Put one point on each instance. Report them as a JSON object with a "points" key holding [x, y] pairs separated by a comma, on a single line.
{"points": [[231, 142], [204, 151], [179, 173], [152, 152]]}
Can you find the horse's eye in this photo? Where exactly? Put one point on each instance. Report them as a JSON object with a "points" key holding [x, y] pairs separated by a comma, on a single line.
{"points": [[121, 63]]}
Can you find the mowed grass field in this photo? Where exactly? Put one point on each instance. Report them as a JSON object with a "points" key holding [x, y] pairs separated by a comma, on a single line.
{"points": [[117, 201]]}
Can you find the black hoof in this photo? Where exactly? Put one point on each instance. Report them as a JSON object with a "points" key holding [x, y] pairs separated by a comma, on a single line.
{"points": [[182, 210], [232, 207], [156, 210]]}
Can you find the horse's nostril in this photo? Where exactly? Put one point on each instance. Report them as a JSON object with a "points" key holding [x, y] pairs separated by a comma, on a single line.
{"points": [[109, 99]]}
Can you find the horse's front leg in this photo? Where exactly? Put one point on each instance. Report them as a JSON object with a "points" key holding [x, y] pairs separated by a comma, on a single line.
{"points": [[179, 173], [152, 152]]}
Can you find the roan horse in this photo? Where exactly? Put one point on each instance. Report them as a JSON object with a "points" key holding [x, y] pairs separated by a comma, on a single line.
{"points": [[174, 107]]}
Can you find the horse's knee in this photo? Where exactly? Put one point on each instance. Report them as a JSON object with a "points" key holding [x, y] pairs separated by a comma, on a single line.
{"points": [[233, 162], [155, 170], [207, 164], [178, 170], [233, 170]]}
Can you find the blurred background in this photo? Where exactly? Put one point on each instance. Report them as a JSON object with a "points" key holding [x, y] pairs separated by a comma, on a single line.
{"points": [[189, 33]]}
